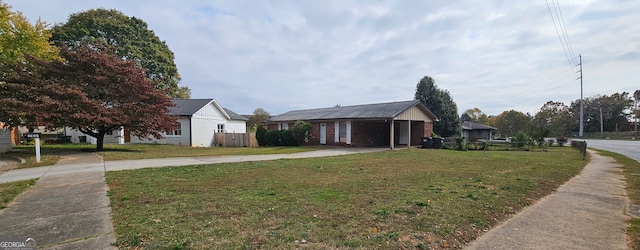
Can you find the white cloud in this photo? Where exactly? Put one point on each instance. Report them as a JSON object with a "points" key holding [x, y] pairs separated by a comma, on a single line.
{"points": [[283, 55]]}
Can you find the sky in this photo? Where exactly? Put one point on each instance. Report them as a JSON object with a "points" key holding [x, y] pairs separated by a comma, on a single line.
{"points": [[281, 55]]}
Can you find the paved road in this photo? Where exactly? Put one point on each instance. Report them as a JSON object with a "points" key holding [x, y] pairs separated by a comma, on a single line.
{"points": [[630, 149]]}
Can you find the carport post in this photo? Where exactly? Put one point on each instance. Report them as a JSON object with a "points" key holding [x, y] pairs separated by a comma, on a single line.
{"points": [[409, 135], [391, 139]]}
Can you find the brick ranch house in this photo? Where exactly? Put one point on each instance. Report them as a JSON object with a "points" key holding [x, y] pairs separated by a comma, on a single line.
{"points": [[370, 125]]}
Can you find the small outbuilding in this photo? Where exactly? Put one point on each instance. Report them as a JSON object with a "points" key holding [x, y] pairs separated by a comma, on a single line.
{"points": [[474, 131], [381, 124]]}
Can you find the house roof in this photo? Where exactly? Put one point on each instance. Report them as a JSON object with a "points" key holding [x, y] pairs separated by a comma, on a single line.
{"points": [[476, 126], [234, 115], [188, 107], [367, 111]]}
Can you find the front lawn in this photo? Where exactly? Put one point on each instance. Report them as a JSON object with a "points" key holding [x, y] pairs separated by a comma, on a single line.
{"points": [[9, 191], [411, 198]]}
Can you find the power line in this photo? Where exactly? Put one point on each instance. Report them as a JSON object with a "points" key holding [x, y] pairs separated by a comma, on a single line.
{"points": [[566, 34], [564, 48]]}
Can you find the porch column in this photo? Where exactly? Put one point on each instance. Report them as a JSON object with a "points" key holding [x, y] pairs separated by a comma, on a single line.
{"points": [[409, 140], [391, 139]]}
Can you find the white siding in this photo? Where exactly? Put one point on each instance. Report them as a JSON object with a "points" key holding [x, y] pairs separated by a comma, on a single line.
{"points": [[203, 130], [235, 126], [182, 139], [205, 124]]}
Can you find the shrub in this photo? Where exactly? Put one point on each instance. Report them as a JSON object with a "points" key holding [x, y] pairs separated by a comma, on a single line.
{"points": [[460, 145], [522, 139], [272, 137], [260, 135], [301, 131], [287, 139]]}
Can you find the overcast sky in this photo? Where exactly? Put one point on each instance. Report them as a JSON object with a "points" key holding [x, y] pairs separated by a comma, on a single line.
{"points": [[287, 55]]}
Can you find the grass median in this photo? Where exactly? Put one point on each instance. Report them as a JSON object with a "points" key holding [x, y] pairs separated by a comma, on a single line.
{"points": [[409, 198]]}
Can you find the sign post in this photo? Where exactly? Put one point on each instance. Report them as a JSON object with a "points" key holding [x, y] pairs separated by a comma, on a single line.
{"points": [[36, 136]]}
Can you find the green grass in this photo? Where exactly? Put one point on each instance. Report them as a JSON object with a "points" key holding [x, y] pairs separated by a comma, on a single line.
{"points": [[9, 191], [632, 175], [411, 198]]}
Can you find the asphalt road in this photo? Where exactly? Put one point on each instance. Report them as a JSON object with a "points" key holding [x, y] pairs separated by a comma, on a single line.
{"points": [[630, 149]]}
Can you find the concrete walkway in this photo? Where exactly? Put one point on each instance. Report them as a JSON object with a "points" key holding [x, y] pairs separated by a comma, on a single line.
{"points": [[587, 212], [63, 210], [68, 208]]}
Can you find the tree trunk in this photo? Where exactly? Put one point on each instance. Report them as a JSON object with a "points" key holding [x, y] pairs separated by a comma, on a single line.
{"points": [[100, 142]]}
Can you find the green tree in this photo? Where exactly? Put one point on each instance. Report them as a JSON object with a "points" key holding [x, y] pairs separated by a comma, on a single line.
{"points": [[18, 37], [259, 117], [553, 119], [475, 115], [132, 39], [510, 122], [92, 90], [615, 112], [441, 104]]}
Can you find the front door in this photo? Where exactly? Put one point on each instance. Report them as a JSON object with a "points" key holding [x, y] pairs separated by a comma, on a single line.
{"points": [[323, 133]]}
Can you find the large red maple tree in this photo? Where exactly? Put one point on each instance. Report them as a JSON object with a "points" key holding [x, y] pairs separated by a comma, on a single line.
{"points": [[91, 89]]}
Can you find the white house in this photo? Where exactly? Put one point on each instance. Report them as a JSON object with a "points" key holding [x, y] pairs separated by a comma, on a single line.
{"points": [[199, 120]]}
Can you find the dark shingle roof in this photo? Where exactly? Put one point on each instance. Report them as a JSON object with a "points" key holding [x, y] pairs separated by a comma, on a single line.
{"points": [[476, 126], [366, 111], [234, 115], [188, 107]]}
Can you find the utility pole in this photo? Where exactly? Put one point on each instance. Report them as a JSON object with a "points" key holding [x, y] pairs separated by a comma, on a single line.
{"points": [[601, 124], [581, 134], [636, 96]]}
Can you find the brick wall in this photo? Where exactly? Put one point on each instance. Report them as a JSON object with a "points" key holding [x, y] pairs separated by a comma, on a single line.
{"points": [[428, 129]]}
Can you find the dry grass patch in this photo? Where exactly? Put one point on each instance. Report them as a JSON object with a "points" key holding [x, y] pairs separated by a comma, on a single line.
{"points": [[428, 199]]}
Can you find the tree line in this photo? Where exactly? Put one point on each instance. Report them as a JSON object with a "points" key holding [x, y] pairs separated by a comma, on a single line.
{"points": [[615, 112]]}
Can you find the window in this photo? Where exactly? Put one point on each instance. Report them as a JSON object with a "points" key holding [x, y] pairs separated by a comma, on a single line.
{"points": [[110, 132], [220, 128], [177, 131], [284, 126], [342, 128]]}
